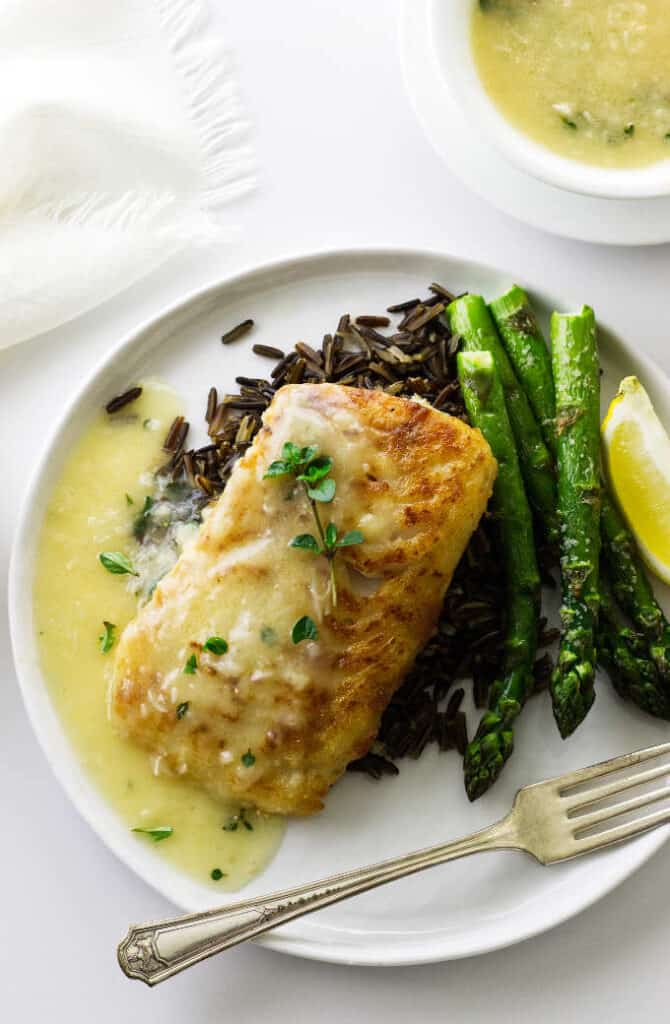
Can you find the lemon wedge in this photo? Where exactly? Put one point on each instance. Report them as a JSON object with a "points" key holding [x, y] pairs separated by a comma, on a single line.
{"points": [[637, 459]]}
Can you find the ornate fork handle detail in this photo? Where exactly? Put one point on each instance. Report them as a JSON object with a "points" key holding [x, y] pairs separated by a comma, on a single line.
{"points": [[155, 952]]}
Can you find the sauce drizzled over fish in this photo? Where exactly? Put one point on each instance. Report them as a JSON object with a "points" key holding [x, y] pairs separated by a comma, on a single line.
{"points": [[263, 719]]}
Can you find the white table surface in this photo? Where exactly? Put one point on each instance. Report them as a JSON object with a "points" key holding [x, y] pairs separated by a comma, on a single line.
{"points": [[343, 162]]}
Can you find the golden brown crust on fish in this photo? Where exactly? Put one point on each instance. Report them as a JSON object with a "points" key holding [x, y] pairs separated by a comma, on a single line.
{"points": [[415, 482]]}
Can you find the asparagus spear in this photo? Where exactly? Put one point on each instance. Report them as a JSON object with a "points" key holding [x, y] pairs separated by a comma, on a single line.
{"points": [[493, 742], [529, 355], [632, 588], [625, 656], [470, 318], [577, 383], [621, 651]]}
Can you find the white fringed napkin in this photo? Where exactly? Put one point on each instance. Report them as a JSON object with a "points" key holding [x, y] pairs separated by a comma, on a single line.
{"points": [[120, 136]]}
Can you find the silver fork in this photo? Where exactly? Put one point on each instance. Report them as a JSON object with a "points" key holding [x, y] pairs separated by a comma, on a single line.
{"points": [[552, 821]]}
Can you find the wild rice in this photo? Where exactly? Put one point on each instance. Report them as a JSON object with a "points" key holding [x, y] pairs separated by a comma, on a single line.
{"points": [[372, 321], [402, 307], [268, 350], [212, 402], [237, 332], [437, 289], [122, 400]]}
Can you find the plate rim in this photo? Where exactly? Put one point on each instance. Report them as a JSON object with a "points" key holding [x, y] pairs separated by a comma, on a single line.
{"points": [[35, 694]]}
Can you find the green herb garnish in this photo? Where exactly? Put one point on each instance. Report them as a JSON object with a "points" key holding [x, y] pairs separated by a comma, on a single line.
{"points": [[312, 471], [248, 759], [106, 639], [268, 636], [217, 874], [182, 708], [142, 519], [129, 500], [191, 666], [117, 562], [158, 833], [629, 130], [304, 629], [215, 644], [569, 124], [236, 820]]}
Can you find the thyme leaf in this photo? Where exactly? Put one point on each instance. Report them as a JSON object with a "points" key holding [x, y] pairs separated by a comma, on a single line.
{"points": [[307, 542], [106, 639], [312, 470], [116, 562], [323, 491], [304, 629], [216, 645], [158, 833], [350, 538]]}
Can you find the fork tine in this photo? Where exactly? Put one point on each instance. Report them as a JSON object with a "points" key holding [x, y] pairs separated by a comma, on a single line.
{"points": [[594, 796], [586, 821], [594, 771], [619, 832]]}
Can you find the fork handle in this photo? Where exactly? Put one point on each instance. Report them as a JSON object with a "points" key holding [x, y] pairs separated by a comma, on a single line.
{"points": [[154, 952]]}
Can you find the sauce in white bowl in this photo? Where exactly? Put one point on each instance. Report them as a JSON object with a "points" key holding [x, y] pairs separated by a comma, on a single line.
{"points": [[573, 92], [589, 79]]}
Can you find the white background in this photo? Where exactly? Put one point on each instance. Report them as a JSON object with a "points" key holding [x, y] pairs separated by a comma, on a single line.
{"points": [[343, 162]]}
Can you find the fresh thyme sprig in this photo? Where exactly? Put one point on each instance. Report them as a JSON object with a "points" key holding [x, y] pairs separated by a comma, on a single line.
{"points": [[313, 472]]}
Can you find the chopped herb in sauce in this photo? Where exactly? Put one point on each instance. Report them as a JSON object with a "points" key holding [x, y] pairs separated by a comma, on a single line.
{"points": [[117, 563], [182, 708], [191, 666], [158, 833], [215, 644], [304, 629], [217, 874], [236, 820], [569, 123], [129, 500], [142, 519], [106, 639], [248, 759], [268, 636]]}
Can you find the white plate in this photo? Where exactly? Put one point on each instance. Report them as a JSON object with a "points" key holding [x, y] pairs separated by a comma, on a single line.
{"points": [[466, 151], [464, 908]]}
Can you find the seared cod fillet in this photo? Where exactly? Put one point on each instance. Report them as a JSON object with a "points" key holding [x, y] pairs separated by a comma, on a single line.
{"points": [[271, 723]]}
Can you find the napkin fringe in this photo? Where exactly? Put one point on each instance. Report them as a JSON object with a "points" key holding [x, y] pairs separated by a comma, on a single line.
{"points": [[211, 96], [126, 212]]}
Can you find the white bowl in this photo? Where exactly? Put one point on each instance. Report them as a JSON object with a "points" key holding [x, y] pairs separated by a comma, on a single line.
{"points": [[450, 32]]}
